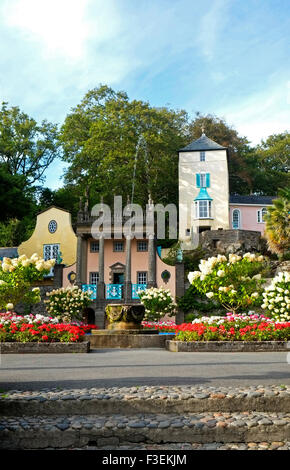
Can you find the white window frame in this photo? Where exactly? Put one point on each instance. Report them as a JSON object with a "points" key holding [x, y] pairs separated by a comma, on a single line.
{"points": [[144, 277], [120, 246], [94, 277], [142, 245], [260, 216], [202, 156], [51, 245], [94, 244], [202, 180], [198, 209], [240, 224]]}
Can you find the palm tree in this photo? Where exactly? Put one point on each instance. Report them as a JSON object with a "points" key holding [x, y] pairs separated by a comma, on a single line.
{"points": [[278, 223]]}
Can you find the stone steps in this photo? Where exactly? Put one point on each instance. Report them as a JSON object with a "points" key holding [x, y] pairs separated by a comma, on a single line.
{"points": [[146, 416], [72, 431]]}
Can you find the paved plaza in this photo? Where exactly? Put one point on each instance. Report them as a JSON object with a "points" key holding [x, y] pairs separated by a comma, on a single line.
{"points": [[128, 367]]}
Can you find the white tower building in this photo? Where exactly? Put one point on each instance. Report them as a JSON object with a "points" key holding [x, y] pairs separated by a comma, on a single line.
{"points": [[203, 189]]}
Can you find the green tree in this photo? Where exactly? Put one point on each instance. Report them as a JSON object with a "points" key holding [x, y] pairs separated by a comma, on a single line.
{"points": [[26, 148], [278, 223], [16, 199], [102, 136], [271, 164]]}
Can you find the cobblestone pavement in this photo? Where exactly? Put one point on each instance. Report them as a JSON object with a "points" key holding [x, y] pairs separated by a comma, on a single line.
{"points": [[255, 417], [148, 393]]}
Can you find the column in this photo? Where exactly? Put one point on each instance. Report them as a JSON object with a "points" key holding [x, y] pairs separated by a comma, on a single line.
{"points": [[179, 290], [79, 261], [151, 262], [101, 283], [128, 282]]}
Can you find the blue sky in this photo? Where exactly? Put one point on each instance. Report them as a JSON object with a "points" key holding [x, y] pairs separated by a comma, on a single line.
{"points": [[227, 57]]}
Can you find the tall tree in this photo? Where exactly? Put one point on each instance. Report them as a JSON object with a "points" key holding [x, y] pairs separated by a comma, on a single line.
{"points": [[271, 164], [26, 148], [107, 133]]}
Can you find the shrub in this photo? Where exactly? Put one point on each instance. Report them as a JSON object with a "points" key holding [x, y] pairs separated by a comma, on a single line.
{"points": [[235, 282], [158, 302], [17, 275], [189, 301], [67, 303], [276, 297]]}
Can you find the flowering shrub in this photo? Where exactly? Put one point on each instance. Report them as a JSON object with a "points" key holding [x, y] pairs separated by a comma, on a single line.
{"points": [[235, 282], [169, 326], [276, 297], [40, 329], [16, 277], [157, 302], [67, 303]]}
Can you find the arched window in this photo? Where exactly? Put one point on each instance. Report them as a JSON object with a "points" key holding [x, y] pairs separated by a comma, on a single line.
{"points": [[236, 219], [261, 215]]}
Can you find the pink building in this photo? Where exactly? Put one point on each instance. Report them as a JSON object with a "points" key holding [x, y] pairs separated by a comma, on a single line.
{"points": [[247, 212]]}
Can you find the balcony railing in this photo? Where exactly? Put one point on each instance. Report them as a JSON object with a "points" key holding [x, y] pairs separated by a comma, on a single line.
{"points": [[92, 288], [114, 291], [137, 288]]}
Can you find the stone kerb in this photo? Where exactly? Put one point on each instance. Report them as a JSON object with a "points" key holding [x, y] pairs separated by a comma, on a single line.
{"points": [[226, 346]]}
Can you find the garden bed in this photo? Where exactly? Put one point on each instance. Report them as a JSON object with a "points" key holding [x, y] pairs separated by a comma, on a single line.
{"points": [[226, 346], [44, 348]]}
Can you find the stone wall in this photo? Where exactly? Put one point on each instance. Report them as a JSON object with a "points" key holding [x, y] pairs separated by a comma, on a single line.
{"points": [[232, 241]]}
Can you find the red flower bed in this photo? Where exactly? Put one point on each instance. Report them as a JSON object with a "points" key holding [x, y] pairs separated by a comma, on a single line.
{"points": [[42, 332], [232, 331]]}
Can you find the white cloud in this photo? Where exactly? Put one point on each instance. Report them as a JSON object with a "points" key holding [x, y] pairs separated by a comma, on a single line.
{"points": [[212, 22], [262, 114]]}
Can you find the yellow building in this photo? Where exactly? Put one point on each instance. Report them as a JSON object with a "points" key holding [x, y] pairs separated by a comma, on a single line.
{"points": [[53, 234]]}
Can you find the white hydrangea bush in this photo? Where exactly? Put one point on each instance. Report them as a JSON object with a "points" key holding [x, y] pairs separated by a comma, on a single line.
{"points": [[158, 302], [276, 297], [67, 303]]}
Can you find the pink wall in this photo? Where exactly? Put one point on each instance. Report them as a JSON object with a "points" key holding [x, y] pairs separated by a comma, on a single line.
{"points": [[139, 262], [160, 267], [248, 217], [66, 271]]}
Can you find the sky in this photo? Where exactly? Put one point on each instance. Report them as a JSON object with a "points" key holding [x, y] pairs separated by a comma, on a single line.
{"points": [[224, 57]]}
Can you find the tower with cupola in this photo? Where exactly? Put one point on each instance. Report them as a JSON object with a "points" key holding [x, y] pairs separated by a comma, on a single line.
{"points": [[203, 189]]}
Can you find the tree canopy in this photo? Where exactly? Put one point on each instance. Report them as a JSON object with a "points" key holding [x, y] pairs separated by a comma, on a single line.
{"points": [[26, 148]]}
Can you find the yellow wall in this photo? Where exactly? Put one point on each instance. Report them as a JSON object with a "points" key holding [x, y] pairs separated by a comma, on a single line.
{"points": [[64, 235]]}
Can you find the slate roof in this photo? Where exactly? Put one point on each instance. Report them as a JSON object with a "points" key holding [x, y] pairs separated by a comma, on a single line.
{"points": [[263, 200], [9, 252], [203, 143]]}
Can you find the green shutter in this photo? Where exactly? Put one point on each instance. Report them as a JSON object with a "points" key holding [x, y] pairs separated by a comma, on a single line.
{"points": [[197, 180], [207, 181]]}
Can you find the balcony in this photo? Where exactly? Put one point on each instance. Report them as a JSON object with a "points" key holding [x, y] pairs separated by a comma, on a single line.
{"points": [[91, 288], [114, 291], [137, 288]]}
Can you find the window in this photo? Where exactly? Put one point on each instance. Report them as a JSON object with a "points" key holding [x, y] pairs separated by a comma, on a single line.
{"points": [[142, 246], [142, 277], [236, 221], [52, 226], [202, 180], [261, 215], [203, 209], [118, 246], [94, 278], [51, 252], [94, 247], [202, 156]]}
